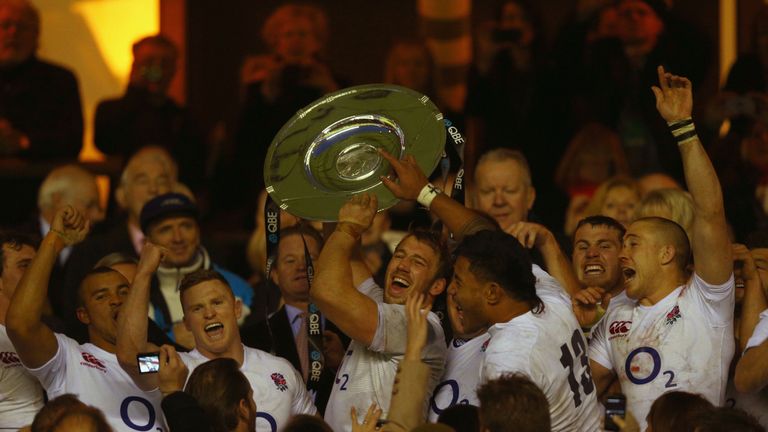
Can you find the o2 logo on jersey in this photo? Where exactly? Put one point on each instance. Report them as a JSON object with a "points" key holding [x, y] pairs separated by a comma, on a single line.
{"points": [[637, 371], [269, 419], [92, 361], [619, 328], [453, 387], [135, 423], [9, 358]]}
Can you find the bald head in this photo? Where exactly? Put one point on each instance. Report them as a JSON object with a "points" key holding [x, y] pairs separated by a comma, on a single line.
{"points": [[149, 173], [69, 185], [18, 45]]}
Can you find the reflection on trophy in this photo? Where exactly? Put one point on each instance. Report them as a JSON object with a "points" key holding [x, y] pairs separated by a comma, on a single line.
{"points": [[329, 150]]}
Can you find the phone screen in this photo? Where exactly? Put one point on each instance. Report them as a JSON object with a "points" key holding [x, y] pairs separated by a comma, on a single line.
{"points": [[148, 362], [615, 405]]}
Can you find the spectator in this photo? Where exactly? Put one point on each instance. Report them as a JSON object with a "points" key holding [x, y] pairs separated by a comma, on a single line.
{"points": [[280, 83], [53, 410], [285, 332], [722, 419], [224, 394], [148, 173], [593, 156], [673, 204], [147, 115], [503, 187], [650, 182], [615, 198], [171, 221], [40, 113], [513, 401]]}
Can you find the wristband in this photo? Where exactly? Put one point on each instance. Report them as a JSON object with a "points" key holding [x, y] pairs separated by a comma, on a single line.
{"points": [[683, 130], [427, 194]]}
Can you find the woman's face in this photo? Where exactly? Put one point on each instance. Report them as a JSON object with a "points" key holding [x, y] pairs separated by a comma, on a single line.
{"points": [[620, 202]]}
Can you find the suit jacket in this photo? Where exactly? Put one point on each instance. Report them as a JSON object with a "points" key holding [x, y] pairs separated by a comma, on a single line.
{"points": [[275, 336]]}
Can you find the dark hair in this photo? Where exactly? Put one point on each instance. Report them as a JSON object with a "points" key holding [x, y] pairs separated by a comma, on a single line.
{"points": [[461, 417], [306, 423], [92, 272], [722, 419], [92, 413], [671, 233], [513, 399], [604, 221], [303, 230], [15, 241], [199, 276], [51, 412], [434, 240], [676, 411], [495, 256], [158, 39], [218, 386]]}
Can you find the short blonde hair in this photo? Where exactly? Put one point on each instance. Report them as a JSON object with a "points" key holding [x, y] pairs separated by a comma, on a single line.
{"points": [[595, 206], [677, 202], [289, 12]]}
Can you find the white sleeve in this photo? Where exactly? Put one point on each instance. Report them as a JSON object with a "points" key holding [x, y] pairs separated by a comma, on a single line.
{"points": [[52, 375], [391, 334], [718, 299], [372, 290], [760, 334], [599, 349], [302, 402], [549, 289]]}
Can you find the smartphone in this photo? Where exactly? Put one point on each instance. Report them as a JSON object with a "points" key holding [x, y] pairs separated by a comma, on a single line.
{"points": [[615, 405], [148, 362]]}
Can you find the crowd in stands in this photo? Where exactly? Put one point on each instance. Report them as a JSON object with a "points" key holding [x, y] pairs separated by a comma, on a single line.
{"points": [[607, 268]]}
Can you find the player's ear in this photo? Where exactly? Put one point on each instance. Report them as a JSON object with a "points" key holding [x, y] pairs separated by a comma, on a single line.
{"points": [[667, 254], [437, 287], [82, 315], [492, 292]]}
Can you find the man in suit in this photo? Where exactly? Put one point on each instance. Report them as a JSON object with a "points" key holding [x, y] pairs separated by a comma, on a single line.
{"points": [[284, 333]]}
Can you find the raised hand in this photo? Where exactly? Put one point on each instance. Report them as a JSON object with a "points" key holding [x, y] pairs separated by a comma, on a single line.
{"points": [[151, 257], [70, 225], [416, 312], [744, 256], [358, 213], [369, 422], [674, 96], [173, 372], [589, 305], [530, 234], [410, 178]]}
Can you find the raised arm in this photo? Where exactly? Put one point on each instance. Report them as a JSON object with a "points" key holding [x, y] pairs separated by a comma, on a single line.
{"points": [[333, 289], [459, 220], [132, 321], [710, 243], [34, 341], [533, 235]]}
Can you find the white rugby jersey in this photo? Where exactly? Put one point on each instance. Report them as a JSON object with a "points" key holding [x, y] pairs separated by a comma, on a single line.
{"points": [[684, 342], [21, 396], [278, 389], [462, 375], [550, 349], [367, 374], [761, 331], [97, 379]]}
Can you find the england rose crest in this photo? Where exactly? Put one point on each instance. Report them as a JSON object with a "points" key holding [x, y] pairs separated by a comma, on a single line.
{"points": [[279, 381], [673, 315]]}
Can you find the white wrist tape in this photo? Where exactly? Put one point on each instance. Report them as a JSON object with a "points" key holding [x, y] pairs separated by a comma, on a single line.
{"points": [[427, 194]]}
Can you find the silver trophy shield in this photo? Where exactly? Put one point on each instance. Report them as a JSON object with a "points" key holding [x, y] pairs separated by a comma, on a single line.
{"points": [[328, 151]]}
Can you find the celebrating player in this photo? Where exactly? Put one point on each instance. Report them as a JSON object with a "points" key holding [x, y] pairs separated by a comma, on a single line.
{"points": [[90, 371], [679, 332]]}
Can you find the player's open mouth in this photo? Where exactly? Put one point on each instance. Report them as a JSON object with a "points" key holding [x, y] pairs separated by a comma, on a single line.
{"points": [[739, 283], [214, 330], [400, 283], [629, 273], [593, 269]]}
